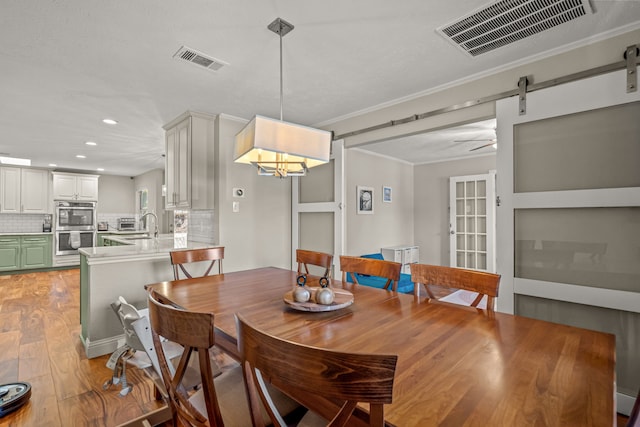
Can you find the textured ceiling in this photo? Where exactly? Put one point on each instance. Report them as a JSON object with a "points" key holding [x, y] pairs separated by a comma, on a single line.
{"points": [[67, 64]]}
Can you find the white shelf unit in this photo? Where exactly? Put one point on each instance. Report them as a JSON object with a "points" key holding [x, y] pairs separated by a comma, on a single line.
{"points": [[405, 255]]}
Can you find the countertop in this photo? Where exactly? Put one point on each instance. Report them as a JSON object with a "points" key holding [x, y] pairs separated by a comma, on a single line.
{"points": [[37, 233], [122, 231], [137, 249]]}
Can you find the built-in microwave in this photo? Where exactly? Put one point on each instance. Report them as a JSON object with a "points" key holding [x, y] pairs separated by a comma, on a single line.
{"points": [[75, 216]]}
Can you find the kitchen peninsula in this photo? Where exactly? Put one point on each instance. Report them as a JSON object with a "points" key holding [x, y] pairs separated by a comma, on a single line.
{"points": [[123, 270]]}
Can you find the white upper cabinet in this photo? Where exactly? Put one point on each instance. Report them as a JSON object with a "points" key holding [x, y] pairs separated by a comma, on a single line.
{"points": [[23, 190], [190, 162], [70, 186]]}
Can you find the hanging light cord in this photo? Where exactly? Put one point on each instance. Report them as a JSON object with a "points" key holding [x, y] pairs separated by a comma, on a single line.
{"points": [[281, 93]]}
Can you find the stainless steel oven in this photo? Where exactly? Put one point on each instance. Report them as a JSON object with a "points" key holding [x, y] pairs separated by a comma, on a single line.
{"points": [[68, 242], [75, 226], [75, 216]]}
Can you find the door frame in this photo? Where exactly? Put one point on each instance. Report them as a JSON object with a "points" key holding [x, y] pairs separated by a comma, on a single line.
{"points": [[336, 207]]}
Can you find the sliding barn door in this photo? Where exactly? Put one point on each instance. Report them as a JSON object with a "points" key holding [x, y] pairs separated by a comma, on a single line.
{"points": [[569, 222]]}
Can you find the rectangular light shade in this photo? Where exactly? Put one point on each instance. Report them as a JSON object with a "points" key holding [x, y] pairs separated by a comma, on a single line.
{"points": [[262, 138], [15, 161]]}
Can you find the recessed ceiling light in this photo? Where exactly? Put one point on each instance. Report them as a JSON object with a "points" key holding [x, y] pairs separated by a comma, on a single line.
{"points": [[90, 143], [53, 165], [15, 161], [110, 121], [81, 156], [100, 169]]}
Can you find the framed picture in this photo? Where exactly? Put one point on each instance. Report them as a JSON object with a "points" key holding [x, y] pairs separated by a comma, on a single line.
{"points": [[386, 194], [365, 200]]}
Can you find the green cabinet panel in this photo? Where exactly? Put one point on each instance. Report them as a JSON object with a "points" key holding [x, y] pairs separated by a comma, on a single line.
{"points": [[9, 253], [35, 252]]}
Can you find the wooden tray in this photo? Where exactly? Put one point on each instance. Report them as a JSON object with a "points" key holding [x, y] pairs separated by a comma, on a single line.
{"points": [[341, 299]]}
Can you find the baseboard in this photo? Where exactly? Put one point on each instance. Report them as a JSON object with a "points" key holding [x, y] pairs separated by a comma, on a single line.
{"points": [[624, 403], [101, 347]]}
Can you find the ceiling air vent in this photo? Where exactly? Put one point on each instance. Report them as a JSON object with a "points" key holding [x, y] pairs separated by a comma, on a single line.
{"points": [[199, 58], [507, 21]]}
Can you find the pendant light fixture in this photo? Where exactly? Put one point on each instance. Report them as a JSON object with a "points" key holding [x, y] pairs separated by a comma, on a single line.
{"points": [[278, 148]]}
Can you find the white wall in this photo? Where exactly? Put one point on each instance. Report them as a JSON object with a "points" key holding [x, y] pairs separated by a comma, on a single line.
{"points": [[391, 223], [537, 69], [431, 209], [259, 235], [116, 194]]}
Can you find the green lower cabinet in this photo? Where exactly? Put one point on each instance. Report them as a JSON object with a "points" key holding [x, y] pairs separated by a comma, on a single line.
{"points": [[36, 252], [9, 253], [25, 252]]}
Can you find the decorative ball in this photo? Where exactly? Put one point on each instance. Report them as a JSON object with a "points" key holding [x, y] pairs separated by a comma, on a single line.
{"points": [[324, 296], [301, 294]]}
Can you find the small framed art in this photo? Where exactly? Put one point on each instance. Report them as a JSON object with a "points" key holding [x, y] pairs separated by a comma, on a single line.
{"points": [[386, 194], [365, 200]]}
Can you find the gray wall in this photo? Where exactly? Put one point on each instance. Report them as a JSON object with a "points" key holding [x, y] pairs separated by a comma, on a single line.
{"points": [[260, 234], [391, 223], [116, 194], [152, 181], [431, 195]]}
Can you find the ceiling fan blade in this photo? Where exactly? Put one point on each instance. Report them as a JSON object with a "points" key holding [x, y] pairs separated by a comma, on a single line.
{"points": [[482, 146]]}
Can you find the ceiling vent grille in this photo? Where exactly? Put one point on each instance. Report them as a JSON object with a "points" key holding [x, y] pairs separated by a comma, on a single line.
{"points": [[508, 21], [199, 58]]}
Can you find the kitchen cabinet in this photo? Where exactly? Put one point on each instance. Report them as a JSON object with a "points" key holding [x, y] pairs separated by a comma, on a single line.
{"points": [[405, 255], [24, 190], [35, 252], [9, 253], [23, 252], [71, 186], [190, 157]]}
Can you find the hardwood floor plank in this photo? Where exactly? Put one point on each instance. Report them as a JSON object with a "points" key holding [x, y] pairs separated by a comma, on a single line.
{"points": [[9, 371], [34, 360], [10, 345], [9, 322], [42, 408], [68, 379]]}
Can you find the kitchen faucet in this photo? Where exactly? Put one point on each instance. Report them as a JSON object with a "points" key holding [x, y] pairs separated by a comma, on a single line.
{"points": [[155, 233]]}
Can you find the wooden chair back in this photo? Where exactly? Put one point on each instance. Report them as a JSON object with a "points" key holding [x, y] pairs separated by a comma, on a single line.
{"points": [[373, 267], [194, 331], [471, 280], [180, 258], [304, 258], [349, 377]]}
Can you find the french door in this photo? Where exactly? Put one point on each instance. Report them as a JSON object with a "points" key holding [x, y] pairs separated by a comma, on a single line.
{"points": [[569, 221], [318, 217], [472, 222]]}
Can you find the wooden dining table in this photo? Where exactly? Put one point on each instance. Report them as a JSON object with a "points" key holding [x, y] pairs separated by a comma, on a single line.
{"points": [[457, 366]]}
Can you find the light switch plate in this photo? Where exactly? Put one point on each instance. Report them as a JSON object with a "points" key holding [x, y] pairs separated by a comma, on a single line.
{"points": [[236, 206]]}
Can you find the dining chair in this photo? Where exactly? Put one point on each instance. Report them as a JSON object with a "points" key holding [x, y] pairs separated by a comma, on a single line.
{"points": [[480, 282], [352, 266], [345, 377], [180, 258], [304, 258], [219, 401]]}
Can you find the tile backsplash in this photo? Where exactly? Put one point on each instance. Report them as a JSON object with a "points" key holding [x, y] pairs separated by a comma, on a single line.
{"points": [[21, 223]]}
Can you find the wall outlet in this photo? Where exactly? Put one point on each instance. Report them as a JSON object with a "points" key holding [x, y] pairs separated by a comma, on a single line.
{"points": [[238, 192]]}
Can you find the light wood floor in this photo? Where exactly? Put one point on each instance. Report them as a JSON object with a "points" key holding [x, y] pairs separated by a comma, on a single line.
{"points": [[40, 344]]}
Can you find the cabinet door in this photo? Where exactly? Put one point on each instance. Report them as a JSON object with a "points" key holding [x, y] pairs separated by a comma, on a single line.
{"points": [[87, 188], [170, 169], [35, 252], [183, 175], [64, 187], [9, 253], [10, 190], [34, 191]]}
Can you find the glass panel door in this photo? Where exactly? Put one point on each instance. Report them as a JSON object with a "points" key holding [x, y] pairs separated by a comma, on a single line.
{"points": [[472, 219]]}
